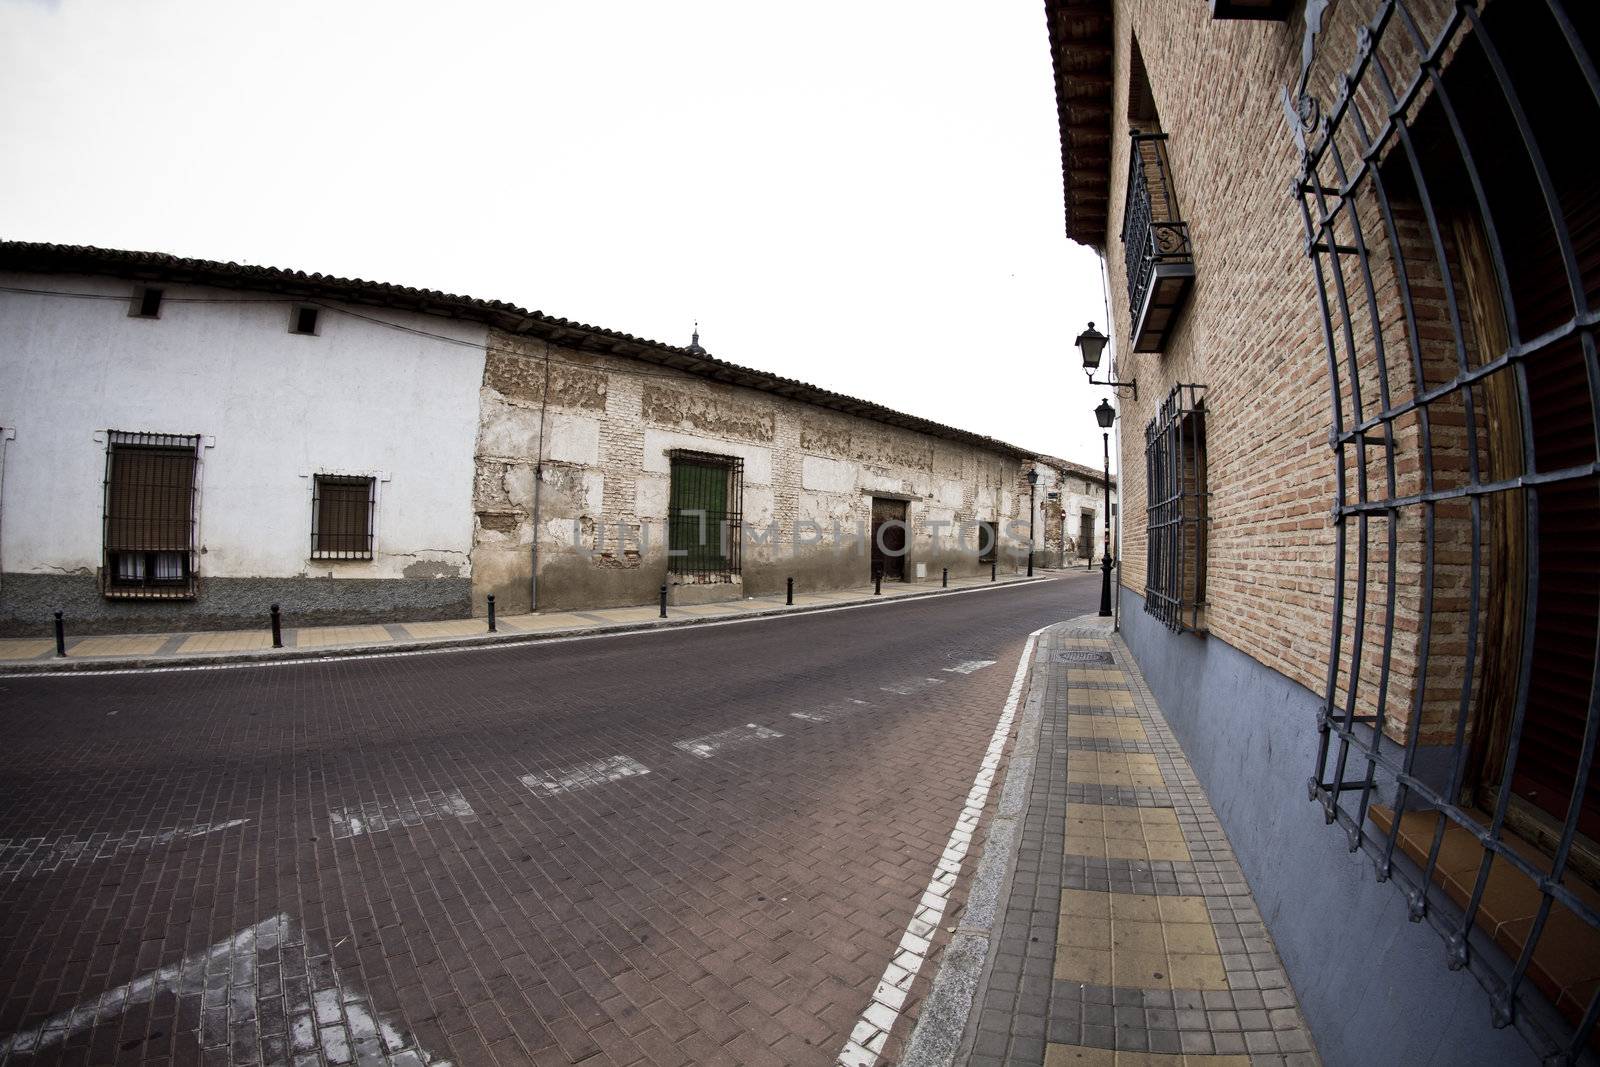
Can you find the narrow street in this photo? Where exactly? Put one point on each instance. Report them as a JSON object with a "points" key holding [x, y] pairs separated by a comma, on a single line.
{"points": [[690, 846]]}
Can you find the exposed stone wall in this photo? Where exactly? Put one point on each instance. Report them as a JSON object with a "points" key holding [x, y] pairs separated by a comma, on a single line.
{"points": [[609, 423]]}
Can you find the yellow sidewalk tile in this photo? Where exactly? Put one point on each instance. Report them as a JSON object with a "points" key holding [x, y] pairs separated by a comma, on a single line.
{"points": [[322, 636], [1099, 698], [555, 620], [447, 628], [20, 648], [1131, 770], [1137, 941], [118, 646], [1110, 729], [235, 641], [1101, 675]]}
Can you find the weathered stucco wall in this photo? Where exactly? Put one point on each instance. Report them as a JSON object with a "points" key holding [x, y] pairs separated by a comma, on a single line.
{"points": [[274, 408], [607, 426]]}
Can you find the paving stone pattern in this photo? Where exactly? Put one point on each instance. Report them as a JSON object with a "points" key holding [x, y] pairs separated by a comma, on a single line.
{"points": [[497, 856], [1129, 935]]}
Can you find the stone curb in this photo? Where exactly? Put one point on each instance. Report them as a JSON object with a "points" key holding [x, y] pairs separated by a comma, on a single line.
{"points": [[485, 640], [942, 1035]]}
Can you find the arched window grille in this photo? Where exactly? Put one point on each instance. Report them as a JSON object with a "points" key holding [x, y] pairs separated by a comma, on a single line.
{"points": [[1452, 220]]}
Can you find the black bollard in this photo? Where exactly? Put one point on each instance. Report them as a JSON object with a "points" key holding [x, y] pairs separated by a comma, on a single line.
{"points": [[491, 613], [61, 636], [877, 584], [1030, 563], [790, 601], [944, 583], [663, 602], [994, 569], [277, 628]]}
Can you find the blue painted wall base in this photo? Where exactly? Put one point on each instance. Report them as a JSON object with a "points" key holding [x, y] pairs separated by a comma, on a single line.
{"points": [[1373, 985]]}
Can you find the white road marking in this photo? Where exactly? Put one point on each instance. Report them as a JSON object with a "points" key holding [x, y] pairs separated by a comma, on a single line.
{"points": [[906, 688], [22, 857], [325, 1014], [584, 775], [375, 816], [970, 665], [707, 746], [806, 716], [501, 646], [872, 1030]]}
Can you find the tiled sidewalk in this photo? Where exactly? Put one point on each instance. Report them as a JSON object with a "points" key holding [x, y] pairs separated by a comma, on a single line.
{"points": [[1129, 936], [156, 650]]}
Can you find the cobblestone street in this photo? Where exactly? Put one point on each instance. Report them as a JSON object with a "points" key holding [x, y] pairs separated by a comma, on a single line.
{"points": [[691, 846]]}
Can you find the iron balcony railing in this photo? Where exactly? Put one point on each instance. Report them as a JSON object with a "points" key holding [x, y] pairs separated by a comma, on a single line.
{"points": [[1155, 239]]}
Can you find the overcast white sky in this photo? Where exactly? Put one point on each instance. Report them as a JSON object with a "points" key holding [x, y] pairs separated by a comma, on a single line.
{"points": [[865, 195]]}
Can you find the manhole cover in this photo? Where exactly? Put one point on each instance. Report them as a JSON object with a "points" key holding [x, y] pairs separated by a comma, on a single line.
{"points": [[1082, 655]]}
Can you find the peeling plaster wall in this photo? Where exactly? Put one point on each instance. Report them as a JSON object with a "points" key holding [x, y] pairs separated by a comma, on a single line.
{"points": [[274, 408], [609, 423]]}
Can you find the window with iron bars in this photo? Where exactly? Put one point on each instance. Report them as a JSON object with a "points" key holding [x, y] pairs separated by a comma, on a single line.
{"points": [[1176, 512], [704, 517], [342, 511], [1452, 224], [149, 516]]}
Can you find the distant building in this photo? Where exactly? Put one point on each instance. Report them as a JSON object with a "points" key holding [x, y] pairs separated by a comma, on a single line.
{"points": [[187, 442], [1353, 254]]}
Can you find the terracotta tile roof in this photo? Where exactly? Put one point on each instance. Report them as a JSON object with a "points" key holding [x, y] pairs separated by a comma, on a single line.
{"points": [[1081, 53], [1096, 475], [85, 259]]}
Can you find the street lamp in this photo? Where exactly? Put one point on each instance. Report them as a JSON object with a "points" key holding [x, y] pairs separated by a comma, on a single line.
{"points": [[1092, 343], [1105, 415], [1033, 480]]}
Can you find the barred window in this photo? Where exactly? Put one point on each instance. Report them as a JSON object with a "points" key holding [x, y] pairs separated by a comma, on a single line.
{"points": [[704, 522], [149, 515], [341, 516], [1176, 511], [1452, 223]]}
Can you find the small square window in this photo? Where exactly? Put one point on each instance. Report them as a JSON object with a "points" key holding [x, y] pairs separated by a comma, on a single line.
{"points": [[341, 516], [303, 319], [146, 302]]}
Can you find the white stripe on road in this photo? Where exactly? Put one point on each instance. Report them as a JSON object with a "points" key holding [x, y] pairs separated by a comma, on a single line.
{"points": [[970, 665], [906, 688], [584, 775], [327, 1015], [28, 856], [709, 745], [806, 716], [867, 1039], [375, 816]]}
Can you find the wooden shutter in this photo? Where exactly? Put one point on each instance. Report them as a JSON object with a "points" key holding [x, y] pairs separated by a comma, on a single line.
{"points": [[150, 499]]}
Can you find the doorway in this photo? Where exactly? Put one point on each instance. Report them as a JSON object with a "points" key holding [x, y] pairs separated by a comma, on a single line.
{"points": [[1086, 535], [889, 541]]}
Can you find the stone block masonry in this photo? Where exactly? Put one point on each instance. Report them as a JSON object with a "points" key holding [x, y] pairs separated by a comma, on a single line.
{"points": [[593, 509]]}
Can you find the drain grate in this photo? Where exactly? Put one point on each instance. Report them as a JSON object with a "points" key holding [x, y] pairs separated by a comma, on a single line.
{"points": [[1081, 655]]}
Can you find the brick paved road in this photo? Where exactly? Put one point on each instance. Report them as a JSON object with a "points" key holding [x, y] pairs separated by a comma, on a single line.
{"points": [[688, 847]]}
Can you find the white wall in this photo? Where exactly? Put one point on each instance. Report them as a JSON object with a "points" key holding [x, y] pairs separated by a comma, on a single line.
{"points": [[274, 408]]}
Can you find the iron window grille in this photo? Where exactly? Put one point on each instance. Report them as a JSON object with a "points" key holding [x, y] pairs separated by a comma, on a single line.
{"points": [[1159, 259], [342, 511], [704, 516], [1176, 511], [149, 515], [1452, 224]]}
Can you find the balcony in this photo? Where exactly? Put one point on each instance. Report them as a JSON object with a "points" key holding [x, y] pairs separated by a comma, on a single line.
{"points": [[1155, 239]]}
